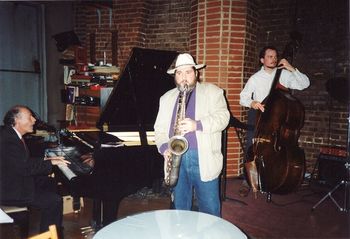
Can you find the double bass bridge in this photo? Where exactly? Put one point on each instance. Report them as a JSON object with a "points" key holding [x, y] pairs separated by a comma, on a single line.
{"points": [[261, 140]]}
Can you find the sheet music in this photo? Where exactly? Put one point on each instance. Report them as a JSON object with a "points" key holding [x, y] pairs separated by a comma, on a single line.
{"points": [[112, 145], [133, 137]]}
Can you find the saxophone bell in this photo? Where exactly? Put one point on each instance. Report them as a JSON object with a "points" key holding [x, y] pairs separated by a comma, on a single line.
{"points": [[178, 145]]}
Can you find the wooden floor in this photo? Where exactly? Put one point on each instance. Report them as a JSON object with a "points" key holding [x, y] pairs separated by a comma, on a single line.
{"points": [[287, 216]]}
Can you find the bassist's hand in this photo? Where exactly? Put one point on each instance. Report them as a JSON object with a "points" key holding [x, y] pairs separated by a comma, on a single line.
{"points": [[286, 65], [257, 106]]}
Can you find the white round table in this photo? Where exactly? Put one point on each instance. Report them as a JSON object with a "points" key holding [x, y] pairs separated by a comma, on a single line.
{"points": [[169, 224]]}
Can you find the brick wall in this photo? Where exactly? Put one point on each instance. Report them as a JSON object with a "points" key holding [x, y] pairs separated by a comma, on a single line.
{"points": [[140, 23], [168, 25], [227, 35], [250, 53]]}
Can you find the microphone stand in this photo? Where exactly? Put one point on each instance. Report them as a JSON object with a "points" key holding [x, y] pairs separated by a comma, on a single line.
{"points": [[236, 124]]}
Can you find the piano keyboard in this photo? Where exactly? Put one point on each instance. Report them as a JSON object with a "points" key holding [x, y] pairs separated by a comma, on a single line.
{"points": [[73, 156], [67, 172], [64, 169]]}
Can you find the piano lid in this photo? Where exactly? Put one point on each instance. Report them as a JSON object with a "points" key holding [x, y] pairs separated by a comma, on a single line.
{"points": [[133, 103]]}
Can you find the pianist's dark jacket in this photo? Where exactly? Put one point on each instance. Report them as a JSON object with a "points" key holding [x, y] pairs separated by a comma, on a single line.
{"points": [[17, 169]]}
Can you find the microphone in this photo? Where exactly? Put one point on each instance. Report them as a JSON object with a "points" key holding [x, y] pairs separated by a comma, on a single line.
{"points": [[41, 125]]}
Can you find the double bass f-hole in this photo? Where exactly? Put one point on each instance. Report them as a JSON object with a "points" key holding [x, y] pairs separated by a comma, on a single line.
{"points": [[276, 145]]}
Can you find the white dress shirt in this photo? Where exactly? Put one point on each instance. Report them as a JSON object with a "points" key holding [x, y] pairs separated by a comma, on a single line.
{"points": [[258, 85]]}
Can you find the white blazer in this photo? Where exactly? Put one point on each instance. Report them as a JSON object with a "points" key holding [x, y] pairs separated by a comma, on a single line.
{"points": [[211, 109]]}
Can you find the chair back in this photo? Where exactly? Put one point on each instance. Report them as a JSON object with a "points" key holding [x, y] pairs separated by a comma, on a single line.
{"points": [[50, 234]]}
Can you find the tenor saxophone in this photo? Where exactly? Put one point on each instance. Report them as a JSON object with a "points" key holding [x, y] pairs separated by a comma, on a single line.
{"points": [[177, 144]]}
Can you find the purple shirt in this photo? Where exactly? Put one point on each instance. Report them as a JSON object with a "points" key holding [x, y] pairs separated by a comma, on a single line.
{"points": [[190, 113]]}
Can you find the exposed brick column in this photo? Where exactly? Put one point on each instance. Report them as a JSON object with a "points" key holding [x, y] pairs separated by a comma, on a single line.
{"points": [[218, 31]]}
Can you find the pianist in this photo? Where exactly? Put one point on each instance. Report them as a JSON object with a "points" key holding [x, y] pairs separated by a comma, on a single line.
{"points": [[24, 180], [206, 117]]}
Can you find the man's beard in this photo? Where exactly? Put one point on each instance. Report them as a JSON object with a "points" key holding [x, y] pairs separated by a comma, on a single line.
{"points": [[181, 88]]}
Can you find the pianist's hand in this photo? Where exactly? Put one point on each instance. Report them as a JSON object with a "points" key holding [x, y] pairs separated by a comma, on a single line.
{"points": [[57, 160]]}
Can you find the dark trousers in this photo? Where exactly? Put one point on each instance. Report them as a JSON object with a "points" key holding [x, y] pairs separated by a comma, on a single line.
{"points": [[250, 132], [48, 202], [249, 137]]}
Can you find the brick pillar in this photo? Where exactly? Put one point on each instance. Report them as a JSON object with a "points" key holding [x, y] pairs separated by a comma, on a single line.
{"points": [[218, 31]]}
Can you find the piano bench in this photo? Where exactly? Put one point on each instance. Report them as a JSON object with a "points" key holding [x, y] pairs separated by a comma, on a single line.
{"points": [[20, 217]]}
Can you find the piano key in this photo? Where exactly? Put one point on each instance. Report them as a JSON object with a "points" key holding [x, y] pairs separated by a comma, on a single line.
{"points": [[66, 171]]}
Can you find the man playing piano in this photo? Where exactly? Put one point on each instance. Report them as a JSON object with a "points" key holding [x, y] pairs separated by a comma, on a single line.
{"points": [[24, 180], [206, 116]]}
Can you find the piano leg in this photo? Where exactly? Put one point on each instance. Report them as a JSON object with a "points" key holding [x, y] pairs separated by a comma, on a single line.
{"points": [[97, 219], [97, 214], [110, 211], [104, 212], [76, 204]]}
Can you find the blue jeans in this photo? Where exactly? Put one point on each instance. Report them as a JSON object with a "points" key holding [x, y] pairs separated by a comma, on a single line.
{"points": [[207, 193]]}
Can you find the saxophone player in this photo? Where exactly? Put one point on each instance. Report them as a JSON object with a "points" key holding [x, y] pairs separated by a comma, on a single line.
{"points": [[206, 116]]}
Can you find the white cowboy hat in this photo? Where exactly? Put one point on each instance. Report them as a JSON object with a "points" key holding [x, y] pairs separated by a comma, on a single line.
{"points": [[185, 59]]}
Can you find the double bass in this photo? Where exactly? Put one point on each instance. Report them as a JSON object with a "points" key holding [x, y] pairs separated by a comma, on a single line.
{"points": [[276, 163]]}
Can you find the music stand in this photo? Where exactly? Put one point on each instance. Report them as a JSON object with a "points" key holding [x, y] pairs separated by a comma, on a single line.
{"points": [[344, 182]]}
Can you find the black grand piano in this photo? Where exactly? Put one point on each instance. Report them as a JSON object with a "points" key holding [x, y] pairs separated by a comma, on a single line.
{"points": [[120, 168]]}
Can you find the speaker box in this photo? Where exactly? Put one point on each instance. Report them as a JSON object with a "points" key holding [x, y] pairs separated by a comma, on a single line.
{"points": [[331, 168]]}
